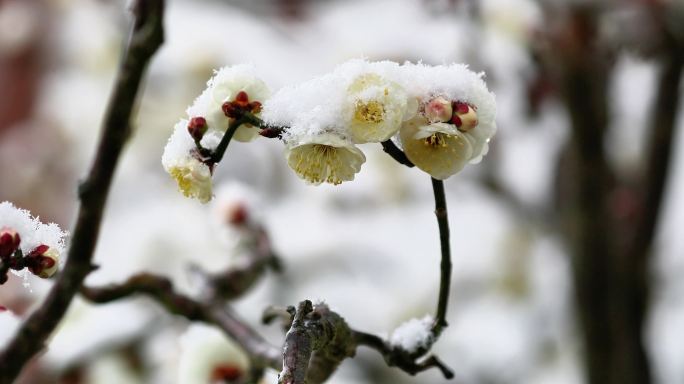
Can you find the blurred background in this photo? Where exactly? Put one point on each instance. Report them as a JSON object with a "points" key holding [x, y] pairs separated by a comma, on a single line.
{"points": [[567, 244]]}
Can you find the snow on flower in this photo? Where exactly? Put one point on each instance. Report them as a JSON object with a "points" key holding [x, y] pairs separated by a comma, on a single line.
{"points": [[324, 158], [182, 161], [224, 87], [455, 119], [445, 112], [41, 244], [413, 334], [208, 356], [378, 106]]}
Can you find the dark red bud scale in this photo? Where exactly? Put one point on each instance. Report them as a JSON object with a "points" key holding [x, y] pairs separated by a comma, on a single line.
{"points": [[255, 106], [461, 107], [229, 109], [38, 251], [456, 121]]}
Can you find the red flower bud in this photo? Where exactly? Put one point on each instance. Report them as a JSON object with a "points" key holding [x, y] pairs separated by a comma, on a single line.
{"points": [[229, 109], [42, 261], [9, 242], [242, 99], [197, 127]]}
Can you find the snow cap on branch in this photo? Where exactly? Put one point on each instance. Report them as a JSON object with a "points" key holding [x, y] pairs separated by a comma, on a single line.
{"points": [[413, 334]]}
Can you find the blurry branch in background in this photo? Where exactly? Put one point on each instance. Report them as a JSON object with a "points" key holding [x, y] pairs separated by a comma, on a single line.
{"points": [[145, 39], [611, 254]]}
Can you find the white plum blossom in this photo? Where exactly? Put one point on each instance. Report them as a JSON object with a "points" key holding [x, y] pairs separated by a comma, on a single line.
{"points": [[455, 118], [41, 244], [208, 356], [324, 158], [224, 87], [444, 115], [379, 106], [182, 161]]}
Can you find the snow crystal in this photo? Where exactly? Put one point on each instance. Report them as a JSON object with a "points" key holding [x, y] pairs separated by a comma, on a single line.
{"points": [[413, 334], [31, 231]]}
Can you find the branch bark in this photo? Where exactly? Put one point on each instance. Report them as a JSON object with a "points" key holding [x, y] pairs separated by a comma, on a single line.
{"points": [[146, 37], [214, 312]]}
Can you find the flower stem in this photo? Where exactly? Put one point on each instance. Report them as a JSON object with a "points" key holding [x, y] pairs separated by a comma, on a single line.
{"points": [[445, 267], [218, 153]]}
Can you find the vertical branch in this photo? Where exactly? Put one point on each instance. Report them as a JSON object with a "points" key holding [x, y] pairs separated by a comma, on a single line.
{"points": [[445, 266], [145, 39], [634, 279]]}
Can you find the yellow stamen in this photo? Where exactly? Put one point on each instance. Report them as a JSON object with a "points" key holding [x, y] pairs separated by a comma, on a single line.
{"points": [[369, 112]]}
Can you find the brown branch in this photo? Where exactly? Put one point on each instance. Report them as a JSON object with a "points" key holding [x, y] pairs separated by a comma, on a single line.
{"points": [[235, 281], [397, 154], [445, 265], [145, 39], [317, 342], [161, 290], [398, 357]]}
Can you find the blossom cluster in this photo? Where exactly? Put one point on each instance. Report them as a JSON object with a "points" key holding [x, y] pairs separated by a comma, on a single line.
{"points": [[441, 116], [27, 243]]}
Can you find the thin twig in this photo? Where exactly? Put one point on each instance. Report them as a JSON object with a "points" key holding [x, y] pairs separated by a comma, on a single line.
{"points": [[220, 150], [398, 357], [161, 290], [146, 37], [397, 154], [445, 266]]}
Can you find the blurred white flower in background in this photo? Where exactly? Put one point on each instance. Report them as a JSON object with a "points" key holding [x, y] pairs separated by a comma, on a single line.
{"points": [[208, 356]]}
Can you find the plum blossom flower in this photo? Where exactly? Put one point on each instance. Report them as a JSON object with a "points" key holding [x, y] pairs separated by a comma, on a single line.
{"points": [[325, 157], [183, 162], [208, 356], [445, 136], [28, 244], [378, 108], [224, 87], [193, 178]]}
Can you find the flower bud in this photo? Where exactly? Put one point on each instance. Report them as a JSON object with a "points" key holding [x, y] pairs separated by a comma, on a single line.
{"points": [[465, 117], [9, 242], [226, 373], [43, 261], [230, 110], [242, 99], [438, 110], [236, 214], [197, 127]]}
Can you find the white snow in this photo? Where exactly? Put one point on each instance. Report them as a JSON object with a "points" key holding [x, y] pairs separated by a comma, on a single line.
{"points": [[413, 334]]}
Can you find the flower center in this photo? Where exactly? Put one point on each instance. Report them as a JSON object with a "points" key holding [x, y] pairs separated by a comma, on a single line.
{"points": [[319, 163], [369, 112], [436, 140]]}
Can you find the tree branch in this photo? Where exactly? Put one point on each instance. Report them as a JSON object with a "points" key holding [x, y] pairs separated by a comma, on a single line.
{"points": [[317, 342], [445, 266], [397, 154], [161, 290], [398, 357], [145, 39]]}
